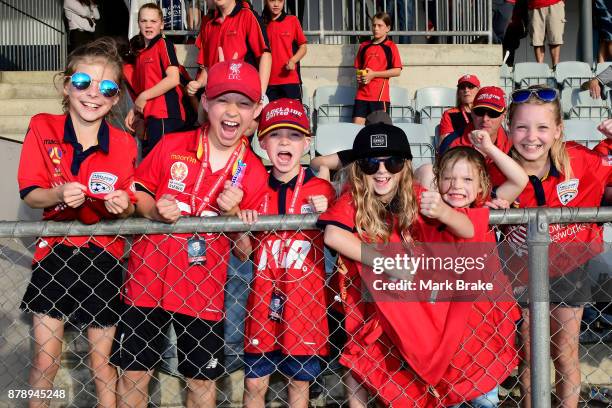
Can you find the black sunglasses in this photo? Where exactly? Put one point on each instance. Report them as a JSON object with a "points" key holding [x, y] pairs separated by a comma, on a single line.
{"points": [[543, 94], [371, 165], [480, 112]]}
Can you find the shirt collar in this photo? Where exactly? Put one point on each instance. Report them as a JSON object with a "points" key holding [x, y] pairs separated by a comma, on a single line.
{"points": [[239, 6], [154, 40], [103, 134], [380, 43], [276, 184], [281, 17]]}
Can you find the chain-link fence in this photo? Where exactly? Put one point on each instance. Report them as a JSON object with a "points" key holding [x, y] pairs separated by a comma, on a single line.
{"points": [[294, 311]]}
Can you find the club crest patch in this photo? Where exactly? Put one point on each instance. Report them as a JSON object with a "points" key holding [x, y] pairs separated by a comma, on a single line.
{"points": [[234, 72], [55, 154], [101, 182], [567, 191], [379, 140], [178, 172]]}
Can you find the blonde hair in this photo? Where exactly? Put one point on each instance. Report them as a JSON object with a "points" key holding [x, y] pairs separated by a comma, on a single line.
{"points": [[558, 152], [373, 219], [103, 50], [450, 158]]}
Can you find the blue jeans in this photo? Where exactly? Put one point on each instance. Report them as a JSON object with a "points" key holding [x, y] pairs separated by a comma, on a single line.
{"points": [[239, 276], [405, 17], [488, 400]]}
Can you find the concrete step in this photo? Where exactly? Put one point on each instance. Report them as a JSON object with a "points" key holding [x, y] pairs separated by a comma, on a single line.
{"points": [[14, 124], [13, 137], [27, 77], [25, 91], [30, 107]]}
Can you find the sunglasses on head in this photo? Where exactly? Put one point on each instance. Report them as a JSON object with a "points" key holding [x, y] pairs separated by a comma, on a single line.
{"points": [[480, 112], [82, 81], [543, 94], [371, 165]]}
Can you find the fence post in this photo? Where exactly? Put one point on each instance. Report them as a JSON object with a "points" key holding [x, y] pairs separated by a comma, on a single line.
{"points": [[321, 23], [538, 239]]}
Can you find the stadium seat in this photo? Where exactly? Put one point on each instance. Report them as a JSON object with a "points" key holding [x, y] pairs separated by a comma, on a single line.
{"points": [[580, 105], [432, 126], [333, 137], [572, 74], [431, 102], [307, 101], [506, 80], [601, 66], [401, 110], [533, 73], [422, 151], [582, 131], [333, 103]]}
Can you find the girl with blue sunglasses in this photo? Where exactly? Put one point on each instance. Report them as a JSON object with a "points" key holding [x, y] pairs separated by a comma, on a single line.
{"points": [[76, 166]]}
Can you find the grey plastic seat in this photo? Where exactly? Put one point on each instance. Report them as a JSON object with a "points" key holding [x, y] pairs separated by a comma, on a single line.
{"points": [[533, 73], [422, 151], [433, 129], [506, 80], [572, 74], [601, 66], [582, 131], [333, 103], [333, 137], [431, 102], [401, 109], [584, 107]]}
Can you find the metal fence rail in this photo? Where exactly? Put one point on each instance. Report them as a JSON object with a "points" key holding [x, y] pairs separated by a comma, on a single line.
{"points": [[15, 252]]}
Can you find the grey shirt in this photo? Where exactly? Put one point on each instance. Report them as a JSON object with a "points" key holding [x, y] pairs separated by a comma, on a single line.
{"points": [[605, 76]]}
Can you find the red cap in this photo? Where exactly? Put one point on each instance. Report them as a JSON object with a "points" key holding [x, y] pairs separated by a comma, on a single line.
{"points": [[233, 76], [470, 79], [490, 97], [283, 113]]}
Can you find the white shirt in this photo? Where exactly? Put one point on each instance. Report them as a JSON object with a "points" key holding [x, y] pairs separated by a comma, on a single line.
{"points": [[80, 16]]}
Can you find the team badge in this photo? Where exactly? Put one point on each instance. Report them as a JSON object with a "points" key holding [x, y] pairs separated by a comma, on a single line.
{"points": [[55, 153], [178, 172], [567, 191], [101, 182], [234, 71], [379, 140]]}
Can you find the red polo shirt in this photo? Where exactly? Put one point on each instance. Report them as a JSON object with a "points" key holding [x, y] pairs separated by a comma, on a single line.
{"points": [[502, 141], [286, 36], [51, 156], [585, 188], [240, 32], [159, 273], [301, 277], [151, 66], [536, 4], [377, 57], [453, 120]]}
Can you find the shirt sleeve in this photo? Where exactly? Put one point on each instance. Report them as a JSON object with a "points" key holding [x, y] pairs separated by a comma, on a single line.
{"points": [[446, 125], [396, 60], [257, 37], [32, 171], [127, 184], [168, 54], [299, 36], [341, 214], [605, 77]]}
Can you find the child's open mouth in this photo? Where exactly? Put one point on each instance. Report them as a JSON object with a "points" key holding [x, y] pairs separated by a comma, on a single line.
{"points": [[90, 106], [284, 157], [381, 181], [532, 147], [229, 128]]}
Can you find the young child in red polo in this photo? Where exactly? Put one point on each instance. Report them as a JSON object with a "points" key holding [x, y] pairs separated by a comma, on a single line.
{"points": [[178, 279], [237, 32], [286, 325], [377, 60], [156, 81], [288, 46]]}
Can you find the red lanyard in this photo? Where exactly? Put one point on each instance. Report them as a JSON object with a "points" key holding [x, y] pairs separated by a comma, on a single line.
{"points": [[465, 117], [203, 144]]}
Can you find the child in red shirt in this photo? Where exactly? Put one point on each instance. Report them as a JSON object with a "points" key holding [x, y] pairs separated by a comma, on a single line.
{"points": [[288, 47], [379, 205], [156, 81], [76, 166], [377, 60], [288, 336], [178, 279], [561, 174]]}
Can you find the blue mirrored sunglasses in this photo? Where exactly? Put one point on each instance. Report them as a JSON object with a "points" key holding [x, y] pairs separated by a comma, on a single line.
{"points": [[82, 81], [544, 94]]}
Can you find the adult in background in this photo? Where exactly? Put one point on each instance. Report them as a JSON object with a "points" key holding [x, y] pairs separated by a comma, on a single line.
{"points": [[596, 84], [502, 12], [602, 13], [457, 118], [547, 22], [81, 16]]}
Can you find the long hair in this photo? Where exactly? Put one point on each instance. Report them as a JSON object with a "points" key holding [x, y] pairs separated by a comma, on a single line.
{"points": [[473, 157], [374, 219], [266, 13], [558, 151], [104, 50]]}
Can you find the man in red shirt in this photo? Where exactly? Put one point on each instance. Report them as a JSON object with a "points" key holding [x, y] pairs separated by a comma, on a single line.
{"points": [[547, 22], [488, 113], [238, 33], [178, 279]]}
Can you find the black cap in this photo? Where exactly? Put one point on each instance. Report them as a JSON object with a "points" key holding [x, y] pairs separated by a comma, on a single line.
{"points": [[381, 139]]}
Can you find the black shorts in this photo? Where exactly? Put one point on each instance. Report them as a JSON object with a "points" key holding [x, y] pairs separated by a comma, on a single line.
{"points": [[361, 109], [141, 340], [155, 128], [292, 91], [77, 284]]}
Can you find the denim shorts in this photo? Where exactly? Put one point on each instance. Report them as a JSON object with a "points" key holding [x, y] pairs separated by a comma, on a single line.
{"points": [[488, 400], [301, 368]]}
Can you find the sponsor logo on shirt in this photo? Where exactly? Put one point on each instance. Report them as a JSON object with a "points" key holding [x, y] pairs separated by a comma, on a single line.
{"points": [[178, 172], [55, 154], [295, 256], [567, 191], [181, 157], [101, 182]]}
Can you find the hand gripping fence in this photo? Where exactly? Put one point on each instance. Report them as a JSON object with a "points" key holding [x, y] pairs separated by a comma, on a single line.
{"points": [[73, 385]]}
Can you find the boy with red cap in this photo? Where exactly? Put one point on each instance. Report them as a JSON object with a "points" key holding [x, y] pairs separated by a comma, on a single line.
{"points": [[286, 324], [457, 118], [488, 113], [178, 279]]}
